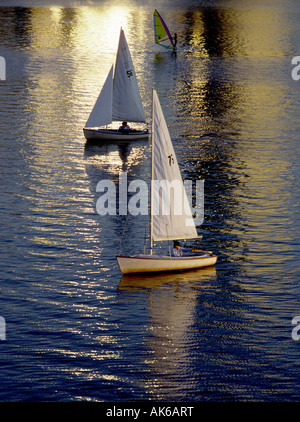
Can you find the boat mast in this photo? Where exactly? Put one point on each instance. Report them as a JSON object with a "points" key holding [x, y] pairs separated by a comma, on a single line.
{"points": [[152, 171]]}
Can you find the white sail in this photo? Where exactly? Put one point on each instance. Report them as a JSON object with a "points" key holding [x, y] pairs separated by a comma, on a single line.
{"points": [[170, 212], [101, 114], [127, 103]]}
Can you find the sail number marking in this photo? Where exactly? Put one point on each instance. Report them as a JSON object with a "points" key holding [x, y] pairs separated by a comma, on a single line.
{"points": [[171, 159]]}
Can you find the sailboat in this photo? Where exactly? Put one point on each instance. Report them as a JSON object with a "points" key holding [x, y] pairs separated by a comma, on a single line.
{"points": [[166, 225], [118, 101], [162, 33]]}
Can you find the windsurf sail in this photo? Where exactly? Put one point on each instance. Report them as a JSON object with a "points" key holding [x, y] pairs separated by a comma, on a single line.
{"points": [[162, 33]]}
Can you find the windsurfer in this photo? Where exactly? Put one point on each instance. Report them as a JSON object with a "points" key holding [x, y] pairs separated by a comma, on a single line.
{"points": [[175, 40]]}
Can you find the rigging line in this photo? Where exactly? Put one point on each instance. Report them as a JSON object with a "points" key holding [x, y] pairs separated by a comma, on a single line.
{"points": [[145, 240], [164, 39], [123, 232]]}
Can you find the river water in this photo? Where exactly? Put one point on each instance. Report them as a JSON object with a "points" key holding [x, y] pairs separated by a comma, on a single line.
{"points": [[74, 329]]}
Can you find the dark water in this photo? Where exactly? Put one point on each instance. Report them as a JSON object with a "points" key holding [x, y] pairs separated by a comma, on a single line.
{"points": [[76, 330]]}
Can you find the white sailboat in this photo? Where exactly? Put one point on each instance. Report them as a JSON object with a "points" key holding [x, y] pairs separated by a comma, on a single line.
{"points": [[118, 101], [169, 225]]}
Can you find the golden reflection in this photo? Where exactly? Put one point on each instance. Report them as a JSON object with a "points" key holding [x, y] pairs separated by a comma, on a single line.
{"points": [[56, 14], [94, 28], [99, 28], [259, 27], [114, 158], [237, 30], [172, 301], [154, 281]]}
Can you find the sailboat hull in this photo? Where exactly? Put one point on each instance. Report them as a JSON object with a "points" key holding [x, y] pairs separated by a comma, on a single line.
{"points": [[114, 135], [154, 263]]}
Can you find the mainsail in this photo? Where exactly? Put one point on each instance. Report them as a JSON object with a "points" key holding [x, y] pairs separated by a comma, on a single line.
{"points": [[119, 99], [171, 216], [127, 103], [162, 34]]}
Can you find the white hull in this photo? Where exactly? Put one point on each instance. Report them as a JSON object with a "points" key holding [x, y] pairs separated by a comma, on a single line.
{"points": [[114, 135], [154, 263]]}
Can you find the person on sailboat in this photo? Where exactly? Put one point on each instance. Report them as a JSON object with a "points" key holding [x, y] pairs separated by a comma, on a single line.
{"points": [[180, 251], [124, 128]]}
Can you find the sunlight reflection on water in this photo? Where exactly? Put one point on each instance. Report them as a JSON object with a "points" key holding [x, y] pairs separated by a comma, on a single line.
{"points": [[75, 326]]}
